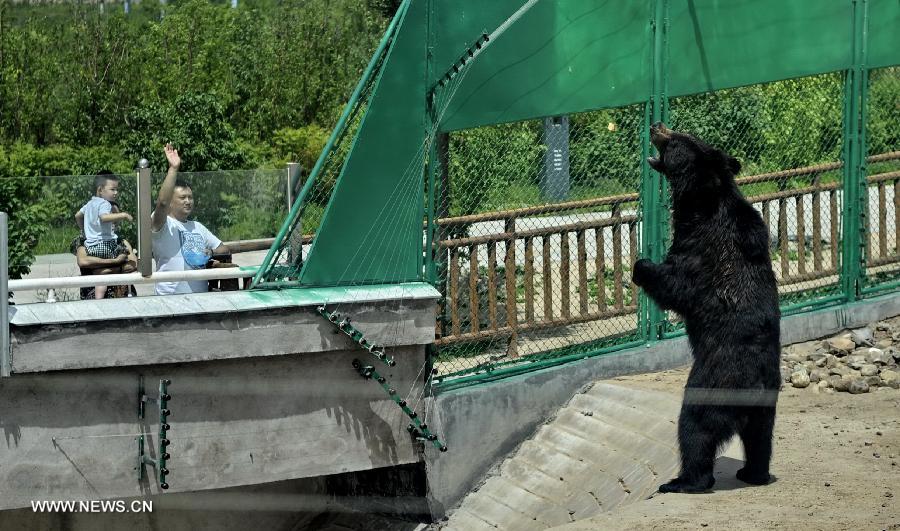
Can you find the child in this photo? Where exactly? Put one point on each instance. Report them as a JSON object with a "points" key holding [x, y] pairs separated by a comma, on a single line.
{"points": [[96, 220]]}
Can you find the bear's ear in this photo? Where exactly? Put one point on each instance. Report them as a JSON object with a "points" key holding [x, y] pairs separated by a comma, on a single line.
{"points": [[722, 161], [733, 165]]}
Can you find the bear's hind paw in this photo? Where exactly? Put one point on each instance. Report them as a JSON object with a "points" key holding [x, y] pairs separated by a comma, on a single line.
{"points": [[753, 478], [680, 485]]}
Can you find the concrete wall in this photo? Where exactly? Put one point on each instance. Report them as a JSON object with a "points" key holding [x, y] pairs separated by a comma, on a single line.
{"points": [[340, 501], [284, 403], [200, 327], [484, 423]]}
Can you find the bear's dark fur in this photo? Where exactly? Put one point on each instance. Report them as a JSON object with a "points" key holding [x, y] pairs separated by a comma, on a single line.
{"points": [[718, 276]]}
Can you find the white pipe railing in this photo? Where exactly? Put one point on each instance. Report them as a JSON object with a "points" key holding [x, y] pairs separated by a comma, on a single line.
{"points": [[86, 281]]}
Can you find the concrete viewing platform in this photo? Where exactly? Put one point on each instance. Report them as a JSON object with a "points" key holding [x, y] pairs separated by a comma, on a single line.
{"points": [[262, 390]]}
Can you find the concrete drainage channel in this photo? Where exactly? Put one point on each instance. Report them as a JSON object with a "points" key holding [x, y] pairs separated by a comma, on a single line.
{"points": [[609, 446]]}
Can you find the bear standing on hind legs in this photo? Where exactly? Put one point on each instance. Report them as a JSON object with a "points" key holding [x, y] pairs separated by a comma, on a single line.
{"points": [[718, 276]]}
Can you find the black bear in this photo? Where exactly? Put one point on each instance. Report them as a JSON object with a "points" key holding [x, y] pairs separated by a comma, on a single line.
{"points": [[718, 276]]}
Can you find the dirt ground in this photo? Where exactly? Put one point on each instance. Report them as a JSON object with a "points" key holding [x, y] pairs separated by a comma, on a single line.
{"points": [[836, 462]]}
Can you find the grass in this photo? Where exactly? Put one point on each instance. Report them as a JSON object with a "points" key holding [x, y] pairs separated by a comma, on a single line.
{"points": [[56, 240]]}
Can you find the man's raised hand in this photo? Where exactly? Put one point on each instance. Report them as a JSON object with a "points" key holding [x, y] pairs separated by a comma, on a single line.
{"points": [[172, 156]]}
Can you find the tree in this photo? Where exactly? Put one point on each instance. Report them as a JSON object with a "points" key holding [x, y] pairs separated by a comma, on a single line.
{"points": [[195, 123], [388, 8]]}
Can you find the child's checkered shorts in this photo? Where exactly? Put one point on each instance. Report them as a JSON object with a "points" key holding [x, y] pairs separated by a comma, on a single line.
{"points": [[104, 249]]}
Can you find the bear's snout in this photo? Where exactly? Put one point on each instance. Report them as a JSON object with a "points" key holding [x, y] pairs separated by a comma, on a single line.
{"points": [[659, 135]]}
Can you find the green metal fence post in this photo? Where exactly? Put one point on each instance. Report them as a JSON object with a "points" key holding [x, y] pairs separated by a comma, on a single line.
{"points": [[853, 153], [655, 213], [658, 317], [863, 151], [430, 132], [648, 222]]}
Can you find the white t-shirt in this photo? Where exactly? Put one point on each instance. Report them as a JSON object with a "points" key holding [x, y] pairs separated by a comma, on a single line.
{"points": [[182, 247], [96, 231]]}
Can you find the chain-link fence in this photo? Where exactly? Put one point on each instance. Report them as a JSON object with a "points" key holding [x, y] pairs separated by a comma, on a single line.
{"points": [[538, 229], [883, 177], [540, 223], [788, 137]]}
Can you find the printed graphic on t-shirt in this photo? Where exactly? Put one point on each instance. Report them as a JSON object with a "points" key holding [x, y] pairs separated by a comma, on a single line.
{"points": [[193, 249]]}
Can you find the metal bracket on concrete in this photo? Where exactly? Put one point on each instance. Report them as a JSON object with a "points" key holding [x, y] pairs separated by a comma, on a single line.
{"points": [[417, 429], [160, 462], [343, 324]]}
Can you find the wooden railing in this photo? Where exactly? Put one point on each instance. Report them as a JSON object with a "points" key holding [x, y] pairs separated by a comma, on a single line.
{"points": [[803, 270], [549, 296], [879, 240], [547, 290]]}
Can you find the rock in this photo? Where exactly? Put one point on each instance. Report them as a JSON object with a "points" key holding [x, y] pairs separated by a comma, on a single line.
{"points": [[803, 349], [858, 386], [873, 381], [819, 354], [868, 370], [876, 355], [818, 375], [794, 358], [785, 374], [800, 379], [895, 353], [840, 383], [890, 378], [855, 361], [862, 336], [884, 343], [840, 370], [839, 346]]}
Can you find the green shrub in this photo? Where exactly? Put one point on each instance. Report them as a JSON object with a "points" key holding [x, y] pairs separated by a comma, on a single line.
{"points": [[485, 162], [302, 145], [605, 149]]}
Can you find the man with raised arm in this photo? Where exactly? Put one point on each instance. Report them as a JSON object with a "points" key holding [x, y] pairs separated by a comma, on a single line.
{"points": [[180, 244]]}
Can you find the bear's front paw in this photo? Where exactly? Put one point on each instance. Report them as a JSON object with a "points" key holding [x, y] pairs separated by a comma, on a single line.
{"points": [[640, 273]]}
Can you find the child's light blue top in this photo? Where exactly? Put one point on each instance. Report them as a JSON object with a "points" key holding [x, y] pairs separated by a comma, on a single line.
{"points": [[95, 230]]}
